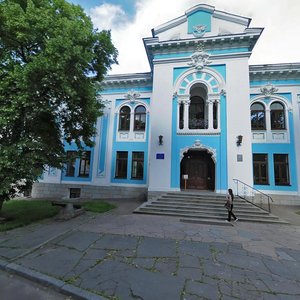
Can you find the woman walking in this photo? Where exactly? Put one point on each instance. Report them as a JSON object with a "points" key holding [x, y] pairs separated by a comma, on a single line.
{"points": [[229, 205]]}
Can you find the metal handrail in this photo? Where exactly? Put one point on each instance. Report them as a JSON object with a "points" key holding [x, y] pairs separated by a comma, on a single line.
{"points": [[253, 192]]}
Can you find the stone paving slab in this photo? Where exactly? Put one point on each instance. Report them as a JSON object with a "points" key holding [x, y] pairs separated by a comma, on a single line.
{"points": [[126, 267], [147, 257]]}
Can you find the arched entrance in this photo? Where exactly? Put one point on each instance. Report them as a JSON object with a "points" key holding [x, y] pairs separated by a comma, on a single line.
{"points": [[200, 168]]}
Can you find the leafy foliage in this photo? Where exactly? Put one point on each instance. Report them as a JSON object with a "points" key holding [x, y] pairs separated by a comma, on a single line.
{"points": [[50, 61]]}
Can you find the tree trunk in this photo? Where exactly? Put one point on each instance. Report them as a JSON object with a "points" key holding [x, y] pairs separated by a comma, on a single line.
{"points": [[1, 204]]}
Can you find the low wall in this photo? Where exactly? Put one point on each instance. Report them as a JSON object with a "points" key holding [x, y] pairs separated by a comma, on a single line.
{"points": [[285, 199], [53, 190], [290, 200]]}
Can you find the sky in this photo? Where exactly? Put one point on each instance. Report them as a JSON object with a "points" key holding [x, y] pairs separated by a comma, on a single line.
{"points": [[132, 20]]}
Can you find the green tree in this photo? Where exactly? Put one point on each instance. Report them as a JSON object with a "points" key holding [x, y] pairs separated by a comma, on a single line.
{"points": [[51, 64]]}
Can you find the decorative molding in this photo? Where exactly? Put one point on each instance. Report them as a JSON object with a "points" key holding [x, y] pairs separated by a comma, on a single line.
{"points": [[200, 58], [261, 98], [213, 97], [199, 30], [268, 90], [132, 96], [184, 97], [223, 92], [198, 132], [198, 77], [198, 146]]}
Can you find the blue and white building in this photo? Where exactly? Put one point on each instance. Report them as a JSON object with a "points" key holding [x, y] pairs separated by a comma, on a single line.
{"points": [[200, 119]]}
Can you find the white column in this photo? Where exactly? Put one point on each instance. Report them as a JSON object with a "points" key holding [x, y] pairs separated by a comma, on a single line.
{"points": [[186, 114], [218, 102], [178, 114], [268, 125], [179, 102], [210, 114], [131, 134]]}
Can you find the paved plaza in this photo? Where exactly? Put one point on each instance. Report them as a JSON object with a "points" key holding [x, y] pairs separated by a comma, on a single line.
{"points": [[119, 255]]}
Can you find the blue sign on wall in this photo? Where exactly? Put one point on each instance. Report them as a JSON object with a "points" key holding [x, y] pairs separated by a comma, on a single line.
{"points": [[160, 156]]}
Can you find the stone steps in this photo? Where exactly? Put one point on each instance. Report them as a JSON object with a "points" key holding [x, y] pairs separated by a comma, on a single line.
{"points": [[238, 209], [205, 209], [202, 205]]}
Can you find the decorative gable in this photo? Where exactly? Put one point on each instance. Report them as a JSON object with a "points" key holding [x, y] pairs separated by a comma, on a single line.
{"points": [[201, 21]]}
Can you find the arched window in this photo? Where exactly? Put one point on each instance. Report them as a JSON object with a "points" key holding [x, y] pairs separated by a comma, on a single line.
{"points": [[140, 118], [196, 114], [277, 116], [197, 110], [124, 118], [258, 117]]}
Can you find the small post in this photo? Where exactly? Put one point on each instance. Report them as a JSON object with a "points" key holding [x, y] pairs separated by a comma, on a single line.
{"points": [[185, 178]]}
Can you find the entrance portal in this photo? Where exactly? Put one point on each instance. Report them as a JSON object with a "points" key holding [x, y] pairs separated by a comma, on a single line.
{"points": [[200, 168]]}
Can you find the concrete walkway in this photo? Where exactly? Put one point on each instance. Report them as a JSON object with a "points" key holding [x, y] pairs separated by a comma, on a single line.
{"points": [[119, 255]]}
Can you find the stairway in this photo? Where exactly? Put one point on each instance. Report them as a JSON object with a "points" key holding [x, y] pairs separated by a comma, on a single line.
{"points": [[207, 208]]}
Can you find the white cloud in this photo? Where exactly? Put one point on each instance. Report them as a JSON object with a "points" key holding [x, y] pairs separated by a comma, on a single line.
{"points": [[107, 16], [278, 43]]}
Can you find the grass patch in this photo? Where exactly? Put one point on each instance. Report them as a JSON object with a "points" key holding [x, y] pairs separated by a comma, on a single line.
{"points": [[298, 212], [20, 213], [98, 206]]}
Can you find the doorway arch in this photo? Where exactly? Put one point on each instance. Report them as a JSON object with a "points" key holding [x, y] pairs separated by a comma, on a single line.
{"points": [[199, 166]]}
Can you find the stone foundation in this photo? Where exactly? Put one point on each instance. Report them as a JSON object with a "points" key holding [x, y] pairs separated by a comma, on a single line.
{"points": [[285, 199], [58, 191]]}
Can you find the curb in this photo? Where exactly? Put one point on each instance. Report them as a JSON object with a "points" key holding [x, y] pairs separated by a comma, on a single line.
{"points": [[58, 285]]}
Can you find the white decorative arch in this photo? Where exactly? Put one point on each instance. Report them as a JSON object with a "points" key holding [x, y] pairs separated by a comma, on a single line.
{"points": [[274, 98], [213, 81], [283, 101], [131, 135], [132, 106], [259, 101], [198, 146], [283, 135], [214, 84]]}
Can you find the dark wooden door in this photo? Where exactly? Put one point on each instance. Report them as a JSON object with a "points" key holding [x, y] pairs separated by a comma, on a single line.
{"points": [[197, 171], [200, 168]]}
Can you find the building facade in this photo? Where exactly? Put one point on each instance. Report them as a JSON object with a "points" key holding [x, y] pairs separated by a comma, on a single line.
{"points": [[202, 119]]}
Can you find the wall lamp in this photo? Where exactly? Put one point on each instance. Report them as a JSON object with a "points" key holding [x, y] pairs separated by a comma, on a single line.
{"points": [[239, 140], [160, 140]]}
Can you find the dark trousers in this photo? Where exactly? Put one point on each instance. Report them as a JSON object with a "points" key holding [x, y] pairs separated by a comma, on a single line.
{"points": [[230, 213]]}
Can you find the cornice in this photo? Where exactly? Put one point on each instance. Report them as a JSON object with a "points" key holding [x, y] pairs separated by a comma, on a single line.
{"points": [[275, 71], [247, 39], [232, 18], [212, 57], [200, 7], [138, 79], [221, 42], [168, 25]]}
